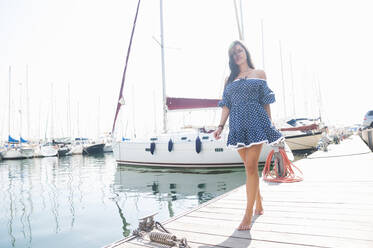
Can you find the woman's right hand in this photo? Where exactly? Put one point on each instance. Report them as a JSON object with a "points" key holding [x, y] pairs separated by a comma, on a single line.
{"points": [[217, 133]]}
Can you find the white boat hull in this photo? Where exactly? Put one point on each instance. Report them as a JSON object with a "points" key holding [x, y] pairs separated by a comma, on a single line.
{"points": [[214, 153], [48, 151], [77, 149], [27, 152], [13, 153], [108, 148], [303, 141]]}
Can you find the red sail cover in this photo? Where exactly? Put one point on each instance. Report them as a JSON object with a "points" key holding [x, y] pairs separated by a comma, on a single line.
{"points": [[174, 103], [301, 128]]}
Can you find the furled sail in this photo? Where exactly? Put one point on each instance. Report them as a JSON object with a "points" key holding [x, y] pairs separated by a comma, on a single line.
{"points": [[174, 103]]}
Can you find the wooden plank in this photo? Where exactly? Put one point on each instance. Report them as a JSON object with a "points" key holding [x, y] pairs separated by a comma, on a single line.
{"points": [[266, 218], [215, 235], [302, 209], [302, 200], [314, 228], [196, 239], [289, 214], [243, 240], [270, 203], [328, 197]]}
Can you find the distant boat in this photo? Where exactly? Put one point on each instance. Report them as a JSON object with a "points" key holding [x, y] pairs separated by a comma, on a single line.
{"points": [[302, 134], [27, 151], [108, 147], [26, 148], [77, 146], [91, 149], [13, 152], [64, 151], [49, 150]]}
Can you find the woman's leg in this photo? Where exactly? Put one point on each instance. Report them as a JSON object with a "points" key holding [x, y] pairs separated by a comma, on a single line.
{"points": [[258, 203], [258, 200], [251, 156]]}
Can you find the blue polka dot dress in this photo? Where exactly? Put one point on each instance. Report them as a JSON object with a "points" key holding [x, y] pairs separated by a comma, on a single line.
{"points": [[249, 123]]}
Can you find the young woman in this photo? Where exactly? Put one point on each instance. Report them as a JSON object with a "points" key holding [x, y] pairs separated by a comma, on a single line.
{"points": [[246, 100]]}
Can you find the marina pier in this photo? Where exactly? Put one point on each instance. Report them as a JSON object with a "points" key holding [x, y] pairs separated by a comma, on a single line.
{"points": [[332, 207]]}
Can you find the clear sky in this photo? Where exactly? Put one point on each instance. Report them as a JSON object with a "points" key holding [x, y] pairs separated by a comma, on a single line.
{"points": [[84, 43]]}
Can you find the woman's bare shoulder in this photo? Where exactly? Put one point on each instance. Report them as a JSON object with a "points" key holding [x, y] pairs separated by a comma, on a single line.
{"points": [[260, 74]]}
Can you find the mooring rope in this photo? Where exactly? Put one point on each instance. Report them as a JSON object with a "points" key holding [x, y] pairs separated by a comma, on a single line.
{"points": [[282, 171]]}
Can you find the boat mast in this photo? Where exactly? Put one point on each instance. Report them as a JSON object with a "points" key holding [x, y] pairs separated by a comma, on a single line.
{"points": [[52, 111], [163, 71], [77, 119], [292, 83], [242, 30], [155, 112], [28, 103], [262, 28], [10, 79], [20, 111], [68, 111], [98, 117], [238, 21], [320, 98], [120, 99], [283, 81]]}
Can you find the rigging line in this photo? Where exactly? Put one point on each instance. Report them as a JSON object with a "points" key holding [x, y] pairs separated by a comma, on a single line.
{"points": [[125, 68]]}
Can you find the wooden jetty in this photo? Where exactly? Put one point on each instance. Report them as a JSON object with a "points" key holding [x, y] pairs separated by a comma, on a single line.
{"points": [[332, 207]]}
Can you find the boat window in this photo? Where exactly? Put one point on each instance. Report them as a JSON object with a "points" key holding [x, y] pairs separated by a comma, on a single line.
{"points": [[205, 137], [183, 138], [218, 149], [153, 139]]}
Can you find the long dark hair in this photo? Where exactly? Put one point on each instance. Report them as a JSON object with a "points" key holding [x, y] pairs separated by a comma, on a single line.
{"points": [[232, 64]]}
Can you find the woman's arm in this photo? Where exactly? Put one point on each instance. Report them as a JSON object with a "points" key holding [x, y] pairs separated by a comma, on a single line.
{"points": [[224, 115], [223, 119], [225, 109]]}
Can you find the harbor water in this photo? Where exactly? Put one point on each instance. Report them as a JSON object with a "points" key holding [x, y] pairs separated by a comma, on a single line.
{"points": [[85, 201]]}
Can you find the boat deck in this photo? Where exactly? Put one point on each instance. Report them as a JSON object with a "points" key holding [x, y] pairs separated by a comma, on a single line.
{"points": [[332, 207]]}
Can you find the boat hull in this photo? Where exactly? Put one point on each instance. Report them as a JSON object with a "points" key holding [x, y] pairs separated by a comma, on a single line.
{"points": [[27, 152], [63, 152], [303, 142], [13, 153], [48, 151], [93, 149], [108, 148], [76, 149], [213, 154]]}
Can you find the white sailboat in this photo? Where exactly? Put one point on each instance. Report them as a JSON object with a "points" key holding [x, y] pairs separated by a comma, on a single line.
{"points": [[76, 147], [301, 134], [49, 149], [12, 149], [26, 148], [77, 144], [193, 149]]}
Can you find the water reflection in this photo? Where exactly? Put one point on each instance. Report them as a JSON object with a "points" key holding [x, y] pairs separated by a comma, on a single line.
{"points": [[64, 201]]}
